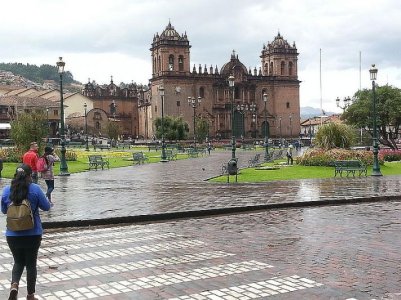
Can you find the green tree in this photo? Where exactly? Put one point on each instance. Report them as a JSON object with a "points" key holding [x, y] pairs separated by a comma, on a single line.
{"points": [[335, 135], [388, 107], [175, 128], [113, 130], [202, 129], [27, 128]]}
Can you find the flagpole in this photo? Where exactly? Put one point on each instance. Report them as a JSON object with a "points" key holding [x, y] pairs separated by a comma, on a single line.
{"points": [[321, 101]]}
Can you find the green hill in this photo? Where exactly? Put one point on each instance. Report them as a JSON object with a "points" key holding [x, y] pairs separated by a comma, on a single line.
{"points": [[37, 74]]}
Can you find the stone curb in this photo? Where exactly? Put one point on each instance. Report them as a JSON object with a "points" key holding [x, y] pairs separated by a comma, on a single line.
{"points": [[170, 216]]}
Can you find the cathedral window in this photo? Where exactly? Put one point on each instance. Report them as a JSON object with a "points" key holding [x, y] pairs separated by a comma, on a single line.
{"points": [[171, 63], [271, 68], [288, 104], [282, 68], [181, 63], [237, 92], [290, 68], [265, 71], [202, 92]]}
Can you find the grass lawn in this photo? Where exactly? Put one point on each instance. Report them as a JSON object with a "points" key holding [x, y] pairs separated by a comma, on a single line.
{"points": [[119, 158], [298, 172], [116, 159]]}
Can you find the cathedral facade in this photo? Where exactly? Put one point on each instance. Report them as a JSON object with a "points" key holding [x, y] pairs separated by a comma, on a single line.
{"points": [[275, 81]]}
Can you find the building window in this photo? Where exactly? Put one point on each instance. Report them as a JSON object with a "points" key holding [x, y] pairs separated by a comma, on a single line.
{"points": [[290, 68], [282, 68], [271, 68], [237, 92], [171, 63], [202, 92], [178, 103], [288, 104], [155, 108], [266, 71], [181, 63]]}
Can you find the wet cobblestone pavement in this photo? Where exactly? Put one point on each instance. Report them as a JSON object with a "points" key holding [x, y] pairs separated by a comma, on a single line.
{"points": [[179, 186], [347, 252]]}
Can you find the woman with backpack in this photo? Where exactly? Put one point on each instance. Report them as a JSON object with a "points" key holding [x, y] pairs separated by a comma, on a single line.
{"points": [[48, 174], [24, 244]]}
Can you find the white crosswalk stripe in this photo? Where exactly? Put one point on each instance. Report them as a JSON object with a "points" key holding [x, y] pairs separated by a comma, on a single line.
{"points": [[130, 285], [135, 260], [266, 288], [123, 267]]}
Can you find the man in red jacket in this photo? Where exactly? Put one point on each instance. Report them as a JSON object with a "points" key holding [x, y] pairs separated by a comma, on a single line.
{"points": [[30, 158]]}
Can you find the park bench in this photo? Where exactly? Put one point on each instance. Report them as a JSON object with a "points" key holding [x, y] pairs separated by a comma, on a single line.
{"points": [[248, 147], [192, 152], [96, 161], [125, 144], [103, 146], [253, 162], [74, 144], [350, 167], [171, 154], [153, 147], [139, 157]]}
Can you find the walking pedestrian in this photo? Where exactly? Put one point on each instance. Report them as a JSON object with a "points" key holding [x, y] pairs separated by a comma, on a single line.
{"points": [[24, 244], [289, 154], [209, 147], [50, 156], [30, 158]]}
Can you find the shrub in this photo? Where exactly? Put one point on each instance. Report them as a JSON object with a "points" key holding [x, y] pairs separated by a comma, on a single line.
{"points": [[321, 157], [335, 135], [13, 154]]}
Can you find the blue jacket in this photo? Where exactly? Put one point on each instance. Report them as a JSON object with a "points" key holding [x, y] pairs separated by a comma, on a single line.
{"points": [[37, 200]]}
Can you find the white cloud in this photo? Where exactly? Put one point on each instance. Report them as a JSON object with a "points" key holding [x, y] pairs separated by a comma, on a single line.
{"points": [[100, 38]]}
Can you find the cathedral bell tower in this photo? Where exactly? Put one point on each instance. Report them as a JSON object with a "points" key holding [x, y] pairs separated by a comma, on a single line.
{"points": [[170, 53], [280, 59]]}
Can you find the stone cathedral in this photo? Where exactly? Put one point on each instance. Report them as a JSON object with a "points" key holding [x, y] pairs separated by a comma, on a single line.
{"points": [[277, 77]]}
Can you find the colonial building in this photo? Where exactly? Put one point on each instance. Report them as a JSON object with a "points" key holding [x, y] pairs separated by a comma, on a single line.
{"points": [[120, 103], [277, 77]]}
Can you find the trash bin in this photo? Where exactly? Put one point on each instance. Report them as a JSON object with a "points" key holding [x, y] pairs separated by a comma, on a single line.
{"points": [[232, 167]]}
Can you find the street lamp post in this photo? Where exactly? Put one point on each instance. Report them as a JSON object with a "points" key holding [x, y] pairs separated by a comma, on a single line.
{"points": [[63, 162], [376, 165], [242, 108], [86, 127], [252, 110], [347, 102], [194, 102], [266, 133], [163, 156], [281, 137], [233, 143], [48, 127]]}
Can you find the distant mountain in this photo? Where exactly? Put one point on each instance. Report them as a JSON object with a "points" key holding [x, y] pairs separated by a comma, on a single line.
{"points": [[310, 112]]}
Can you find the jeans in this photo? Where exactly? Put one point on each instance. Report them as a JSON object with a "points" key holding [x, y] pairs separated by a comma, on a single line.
{"points": [[25, 252], [50, 188]]}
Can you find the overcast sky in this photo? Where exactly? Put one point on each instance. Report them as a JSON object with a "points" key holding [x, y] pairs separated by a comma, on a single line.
{"points": [[100, 38]]}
